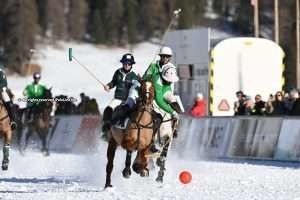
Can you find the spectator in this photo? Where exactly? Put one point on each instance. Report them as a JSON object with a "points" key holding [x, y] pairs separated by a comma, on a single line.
{"points": [[249, 105], [269, 106], [92, 107], [199, 108], [278, 105], [259, 106], [295, 110], [239, 105], [81, 108]]}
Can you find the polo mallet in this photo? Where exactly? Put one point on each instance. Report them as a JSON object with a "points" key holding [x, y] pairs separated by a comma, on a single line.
{"points": [[71, 57], [173, 20]]}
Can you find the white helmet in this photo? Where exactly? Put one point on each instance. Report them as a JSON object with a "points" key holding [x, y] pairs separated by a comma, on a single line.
{"points": [[199, 96], [169, 73], [166, 51]]}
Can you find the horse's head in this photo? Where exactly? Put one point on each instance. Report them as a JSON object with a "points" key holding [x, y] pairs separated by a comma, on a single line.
{"points": [[147, 92], [47, 103]]}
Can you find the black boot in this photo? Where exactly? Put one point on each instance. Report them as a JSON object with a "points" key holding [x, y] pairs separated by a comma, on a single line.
{"points": [[11, 113], [107, 114], [120, 113], [156, 125]]}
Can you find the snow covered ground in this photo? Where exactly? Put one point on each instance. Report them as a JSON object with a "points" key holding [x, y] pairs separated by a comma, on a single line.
{"points": [[77, 177]]}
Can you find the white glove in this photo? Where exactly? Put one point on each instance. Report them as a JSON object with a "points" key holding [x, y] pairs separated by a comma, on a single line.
{"points": [[135, 83], [175, 115]]}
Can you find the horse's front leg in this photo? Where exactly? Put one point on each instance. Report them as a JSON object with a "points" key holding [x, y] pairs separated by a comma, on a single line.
{"points": [[127, 171], [161, 162], [111, 150], [6, 147], [27, 136], [43, 136], [143, 163]]}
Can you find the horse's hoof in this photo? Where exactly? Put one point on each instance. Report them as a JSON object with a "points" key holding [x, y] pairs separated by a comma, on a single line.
{"points": [[159, 179], [136, 168], [126, 173], [108, 186], [144, 173], [45, 152], [5, 165]]}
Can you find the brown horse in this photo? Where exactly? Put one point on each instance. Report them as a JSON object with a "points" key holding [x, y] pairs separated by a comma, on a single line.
{"points": [[41, 122], [137, 135], [6, 133]]}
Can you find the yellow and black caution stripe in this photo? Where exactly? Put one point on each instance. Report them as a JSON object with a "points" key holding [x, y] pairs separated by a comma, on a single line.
{"points": [[211, 83]]}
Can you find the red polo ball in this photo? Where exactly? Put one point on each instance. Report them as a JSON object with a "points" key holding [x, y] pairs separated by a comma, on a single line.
{"points": [[185, 177]]}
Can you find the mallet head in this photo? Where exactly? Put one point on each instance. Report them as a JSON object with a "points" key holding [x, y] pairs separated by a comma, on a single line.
{"points": [[70, 54]]}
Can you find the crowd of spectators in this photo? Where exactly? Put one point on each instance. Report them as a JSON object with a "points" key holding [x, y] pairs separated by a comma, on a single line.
{"points": [[67, 106], [278, 104]]}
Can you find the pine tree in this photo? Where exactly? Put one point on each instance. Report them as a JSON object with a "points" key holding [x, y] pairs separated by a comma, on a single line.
{"points": [[19, 31], [154, 17], [56, 19], [131, 17], [244, 23], [98, 32], [42, 15], [186, 19], [114, 22], [77, 18], [96, 11]]}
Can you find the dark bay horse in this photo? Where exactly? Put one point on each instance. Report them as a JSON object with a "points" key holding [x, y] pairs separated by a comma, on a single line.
{"points": [[41, 121], [6, 133], [137, 136]]}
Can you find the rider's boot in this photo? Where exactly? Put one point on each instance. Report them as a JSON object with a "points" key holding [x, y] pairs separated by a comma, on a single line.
{"points": [[107, 114], [11, 113], [156, 125], [120, 113]]}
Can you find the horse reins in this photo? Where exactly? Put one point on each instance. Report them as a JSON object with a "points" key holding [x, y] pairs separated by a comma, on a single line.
{"points": [[139, 126]]}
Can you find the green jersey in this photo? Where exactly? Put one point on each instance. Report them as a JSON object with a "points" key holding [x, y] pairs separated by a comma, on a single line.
{"points": [[35, 91], [160, 91], [153, 70]]}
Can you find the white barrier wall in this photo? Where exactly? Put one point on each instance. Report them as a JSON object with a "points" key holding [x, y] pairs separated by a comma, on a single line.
{"points": [[288, 147], [239, 137], [74, 133]]}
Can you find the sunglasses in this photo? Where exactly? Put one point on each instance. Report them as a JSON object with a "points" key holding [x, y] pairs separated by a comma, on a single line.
{"points": [[165, 56]]}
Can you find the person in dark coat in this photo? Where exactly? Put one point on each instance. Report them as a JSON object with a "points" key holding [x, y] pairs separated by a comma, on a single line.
{"points": [[279, 107], [259, 106], [239, 105], [295, 109]]}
